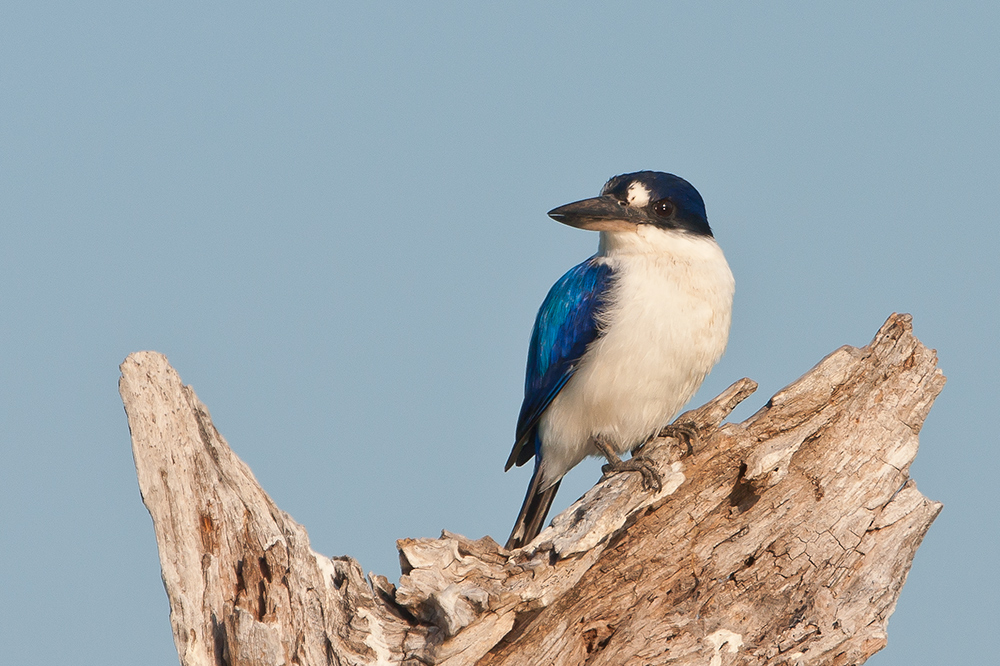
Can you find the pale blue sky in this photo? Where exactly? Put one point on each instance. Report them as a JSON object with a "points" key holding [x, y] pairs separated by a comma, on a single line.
{"points": [[331, 218]]}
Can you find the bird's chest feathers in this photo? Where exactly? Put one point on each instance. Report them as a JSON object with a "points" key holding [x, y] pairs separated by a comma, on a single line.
{"points": [[665, 324]]}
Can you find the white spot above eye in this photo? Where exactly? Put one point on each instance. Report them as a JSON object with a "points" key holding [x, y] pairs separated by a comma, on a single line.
{"points": [[638, 194]]}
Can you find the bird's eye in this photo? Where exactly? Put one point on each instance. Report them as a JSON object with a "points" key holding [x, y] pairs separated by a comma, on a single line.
{"points": [[663, 207], [622, 202]]}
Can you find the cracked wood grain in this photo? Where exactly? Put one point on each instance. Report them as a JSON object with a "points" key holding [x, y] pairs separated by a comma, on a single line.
{"points": [[784, 539]]}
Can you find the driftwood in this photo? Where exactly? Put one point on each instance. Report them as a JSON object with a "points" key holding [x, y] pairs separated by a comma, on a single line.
{"points": [[784, 539]]}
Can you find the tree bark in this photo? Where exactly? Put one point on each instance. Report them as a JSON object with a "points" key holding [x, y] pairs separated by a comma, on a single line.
{"points": [[784, 539]]}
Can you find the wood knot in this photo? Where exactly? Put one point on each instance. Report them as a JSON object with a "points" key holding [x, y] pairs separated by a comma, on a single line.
{"points": [[209, 538], [597, 637], [744, 494]]}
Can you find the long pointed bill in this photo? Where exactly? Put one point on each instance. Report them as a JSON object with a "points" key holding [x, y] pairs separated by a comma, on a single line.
{"points": [[602, 213]]}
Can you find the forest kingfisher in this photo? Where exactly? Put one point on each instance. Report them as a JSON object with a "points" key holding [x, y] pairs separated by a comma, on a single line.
{"points": [[623, 340]]}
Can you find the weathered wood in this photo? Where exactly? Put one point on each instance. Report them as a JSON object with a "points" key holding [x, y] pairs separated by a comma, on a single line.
{"points": [[784, 539]]}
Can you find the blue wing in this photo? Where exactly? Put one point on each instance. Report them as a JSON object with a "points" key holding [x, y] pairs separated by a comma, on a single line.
{"points": [[565, 325]]}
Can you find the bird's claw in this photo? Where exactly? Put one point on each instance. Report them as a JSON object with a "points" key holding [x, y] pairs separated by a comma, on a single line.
{"points": [[686, 435], [651, 479]]}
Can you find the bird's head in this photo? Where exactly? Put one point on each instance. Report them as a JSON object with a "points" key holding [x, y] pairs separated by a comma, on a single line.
{"points": [[662, 200]]}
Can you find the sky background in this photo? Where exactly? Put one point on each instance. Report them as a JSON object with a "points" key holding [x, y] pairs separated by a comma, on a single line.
{"points": [[331, 218]]}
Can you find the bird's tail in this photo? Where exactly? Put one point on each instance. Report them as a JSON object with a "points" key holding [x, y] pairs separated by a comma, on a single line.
{"points": [[533, 511]]}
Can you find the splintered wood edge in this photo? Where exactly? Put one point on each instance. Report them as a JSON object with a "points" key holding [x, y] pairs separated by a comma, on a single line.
{"points": [[238, 571]]}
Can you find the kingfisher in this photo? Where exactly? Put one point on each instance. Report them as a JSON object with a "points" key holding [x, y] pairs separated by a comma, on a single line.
{"points": [[623, 340]]}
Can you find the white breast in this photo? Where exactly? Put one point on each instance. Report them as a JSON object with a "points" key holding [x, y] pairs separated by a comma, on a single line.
{"points": [[666, 327]]}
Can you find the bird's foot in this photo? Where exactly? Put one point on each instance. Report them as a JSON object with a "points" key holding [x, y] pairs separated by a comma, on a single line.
{"points": [[651, 479], [686, 435]]}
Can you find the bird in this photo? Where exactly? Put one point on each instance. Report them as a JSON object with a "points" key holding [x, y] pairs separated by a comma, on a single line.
{"points": [[624, 339]]}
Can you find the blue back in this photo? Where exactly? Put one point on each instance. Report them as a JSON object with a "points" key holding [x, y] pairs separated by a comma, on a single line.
{"points": [[566, 323]]}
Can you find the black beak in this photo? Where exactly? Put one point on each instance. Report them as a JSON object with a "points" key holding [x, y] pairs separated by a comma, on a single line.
{"points": [[602, 213]]}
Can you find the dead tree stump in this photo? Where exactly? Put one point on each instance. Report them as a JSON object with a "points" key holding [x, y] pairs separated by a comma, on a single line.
{"points": [[784, 539]]}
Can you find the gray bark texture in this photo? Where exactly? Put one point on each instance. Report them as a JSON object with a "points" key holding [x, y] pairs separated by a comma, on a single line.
{"points": [[784, 539]]}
